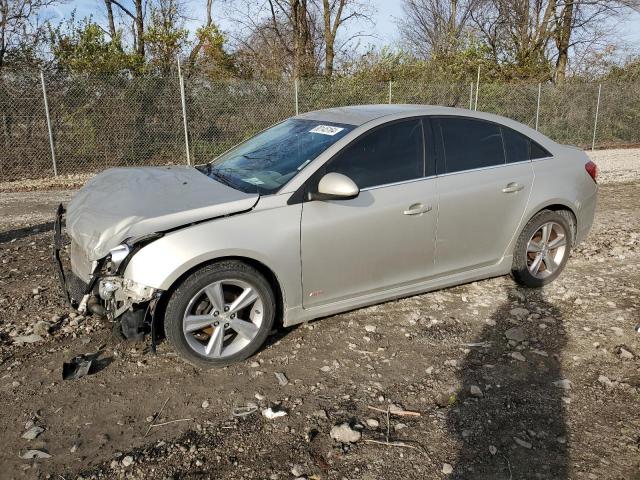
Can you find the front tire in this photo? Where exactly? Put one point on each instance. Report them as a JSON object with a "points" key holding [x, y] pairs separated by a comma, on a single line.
{"points": [[220, 314], [543, 248]]}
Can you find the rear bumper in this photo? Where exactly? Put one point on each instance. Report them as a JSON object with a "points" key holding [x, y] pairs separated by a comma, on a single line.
{"points": [[73, 288]]}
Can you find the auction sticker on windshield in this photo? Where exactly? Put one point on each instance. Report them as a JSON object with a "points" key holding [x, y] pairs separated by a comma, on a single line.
{"points": [[253, 181], [326, 130]]}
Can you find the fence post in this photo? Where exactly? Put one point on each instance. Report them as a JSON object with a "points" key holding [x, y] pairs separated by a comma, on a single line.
{"points": [[389, 92], [46, 110], [295, 87], [595, 123], [538, 106], [184, 113], [471, 96], [477, 88]]}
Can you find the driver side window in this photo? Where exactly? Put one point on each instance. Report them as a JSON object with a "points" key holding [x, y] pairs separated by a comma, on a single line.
{"points": [[389, 154]]}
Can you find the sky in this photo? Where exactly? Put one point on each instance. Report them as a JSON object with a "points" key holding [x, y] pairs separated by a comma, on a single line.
{"points": [[384, 18]]}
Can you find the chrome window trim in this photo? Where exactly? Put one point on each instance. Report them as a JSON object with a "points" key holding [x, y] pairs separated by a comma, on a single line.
{"points": [[393, 184]]}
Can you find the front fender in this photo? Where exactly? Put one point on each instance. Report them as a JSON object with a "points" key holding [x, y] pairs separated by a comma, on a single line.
{"points": [[271, 237]]}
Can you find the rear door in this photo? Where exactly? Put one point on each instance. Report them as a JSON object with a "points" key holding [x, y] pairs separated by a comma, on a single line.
{"points": [[482, 196], [383, 238]]}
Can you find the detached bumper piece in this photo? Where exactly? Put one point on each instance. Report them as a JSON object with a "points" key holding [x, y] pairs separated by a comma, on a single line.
{"points": [[73, 288]]}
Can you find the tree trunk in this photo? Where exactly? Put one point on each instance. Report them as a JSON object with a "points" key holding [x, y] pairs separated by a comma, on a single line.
{"points": [[563, 38], [139, 28], [112, 25]]}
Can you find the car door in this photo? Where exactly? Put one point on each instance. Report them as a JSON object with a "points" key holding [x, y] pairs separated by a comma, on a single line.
{"points": [[384, 237], [482, 197]]}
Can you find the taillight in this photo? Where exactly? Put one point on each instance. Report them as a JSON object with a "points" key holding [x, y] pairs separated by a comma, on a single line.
{"points": [[592, 170]]}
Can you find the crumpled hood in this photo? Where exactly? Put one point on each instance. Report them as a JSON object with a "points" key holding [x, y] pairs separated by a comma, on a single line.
{"points": [[122, 203]]}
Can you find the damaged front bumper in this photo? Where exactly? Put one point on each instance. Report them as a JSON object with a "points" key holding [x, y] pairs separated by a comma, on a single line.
{"points": [[105, 293]]}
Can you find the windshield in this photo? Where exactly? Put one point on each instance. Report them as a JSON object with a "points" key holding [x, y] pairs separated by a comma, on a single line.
{"points": [[267, 161]]}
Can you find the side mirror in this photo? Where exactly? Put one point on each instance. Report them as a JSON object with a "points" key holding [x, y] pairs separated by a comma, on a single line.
{"points": [[335, 186]]}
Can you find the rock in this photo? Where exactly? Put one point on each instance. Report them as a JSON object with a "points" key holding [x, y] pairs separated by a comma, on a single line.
{"points": [[563, 383], [475, 391], [491, 322], [127, 461], [604, 380], [33, 338], [205, 404], [282, 378], [42, 328], [447, 469], [31, 454], [32, 433], [625, 354], [522, 443], [517, 334], [372, 423], [400, 426], [343, 433], [325, 369], [370, 328], [255, 365], [429, 370], [518, 356], [493, 450], [297, 470], [519, 312], [618, 331], [321, 414]]}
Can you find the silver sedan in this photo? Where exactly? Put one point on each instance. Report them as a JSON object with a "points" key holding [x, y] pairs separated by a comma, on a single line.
{"points": [[322, 213]]}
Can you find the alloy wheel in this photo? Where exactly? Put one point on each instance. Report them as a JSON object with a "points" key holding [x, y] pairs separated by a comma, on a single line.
{"points": [[546, 249], [223, 318]]}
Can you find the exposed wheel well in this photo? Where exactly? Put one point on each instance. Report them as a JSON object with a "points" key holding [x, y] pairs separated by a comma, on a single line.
{"points": [[559, 208], [261, 267]]}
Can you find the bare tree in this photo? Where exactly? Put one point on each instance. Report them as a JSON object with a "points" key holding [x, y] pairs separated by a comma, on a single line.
{"points": [[335, 14], [19, 24], [579, 22], [286, 29], [138, 22], [436, 27]]}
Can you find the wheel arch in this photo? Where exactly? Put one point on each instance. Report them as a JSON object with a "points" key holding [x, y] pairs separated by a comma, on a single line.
{"points": [[265, 270], [555, 206]]}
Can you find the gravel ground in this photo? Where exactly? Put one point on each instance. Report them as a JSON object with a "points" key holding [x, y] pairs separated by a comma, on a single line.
{"points": [[508, 382]]}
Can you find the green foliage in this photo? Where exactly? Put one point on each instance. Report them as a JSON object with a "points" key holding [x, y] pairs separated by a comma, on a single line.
{"points": [[83, 48], [213, 60], [165, 40]]}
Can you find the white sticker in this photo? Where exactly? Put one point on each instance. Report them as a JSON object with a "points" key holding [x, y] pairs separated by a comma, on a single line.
{"points": [[326, 130], [253, 181]]}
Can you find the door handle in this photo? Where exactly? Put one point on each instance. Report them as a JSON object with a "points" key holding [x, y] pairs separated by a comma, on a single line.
{"points": [[512, 188], [417, 209]]}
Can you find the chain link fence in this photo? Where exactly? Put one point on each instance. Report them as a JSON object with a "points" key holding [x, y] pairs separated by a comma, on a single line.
{"points": [[100, 122]]}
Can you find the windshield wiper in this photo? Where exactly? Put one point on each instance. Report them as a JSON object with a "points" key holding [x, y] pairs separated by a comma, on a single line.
{"points": [[221, 178]]}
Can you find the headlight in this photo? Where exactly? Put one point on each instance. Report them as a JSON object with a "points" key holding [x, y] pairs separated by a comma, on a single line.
{"points": [[118, 254]]}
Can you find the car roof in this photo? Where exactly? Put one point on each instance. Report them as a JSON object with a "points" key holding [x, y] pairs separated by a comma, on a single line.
{"points": [[360, 114]]}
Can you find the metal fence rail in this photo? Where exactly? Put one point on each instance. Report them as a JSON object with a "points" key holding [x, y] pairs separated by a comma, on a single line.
{"points": [[54, 124]]}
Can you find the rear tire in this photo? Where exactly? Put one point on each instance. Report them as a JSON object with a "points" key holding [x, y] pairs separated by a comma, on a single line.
{"points": [[220, 314], [543, 248]]}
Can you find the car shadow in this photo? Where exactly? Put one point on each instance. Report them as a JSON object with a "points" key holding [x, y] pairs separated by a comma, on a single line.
{"points": [[9, 235], [514, 426]]}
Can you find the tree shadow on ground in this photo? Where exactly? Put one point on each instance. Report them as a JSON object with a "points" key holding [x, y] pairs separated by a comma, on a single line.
{"points": [[516, 427]]}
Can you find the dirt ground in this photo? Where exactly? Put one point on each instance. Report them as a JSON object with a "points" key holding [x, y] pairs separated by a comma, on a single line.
{"points": [[555, 375]]}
